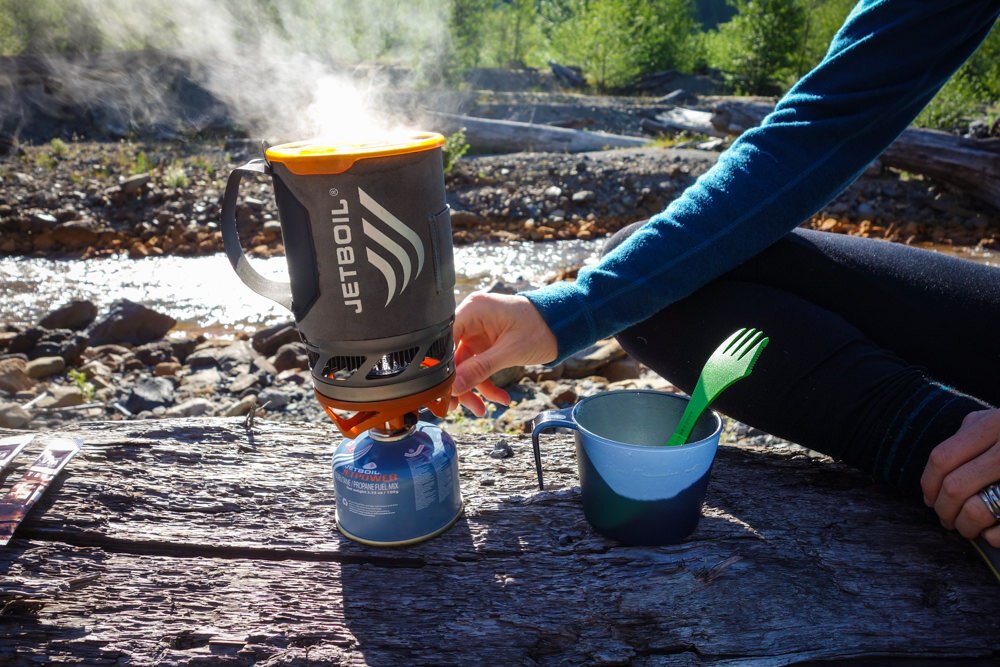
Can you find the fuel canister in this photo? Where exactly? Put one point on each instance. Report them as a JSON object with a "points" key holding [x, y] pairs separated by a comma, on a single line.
{"points": [[394, 490]]}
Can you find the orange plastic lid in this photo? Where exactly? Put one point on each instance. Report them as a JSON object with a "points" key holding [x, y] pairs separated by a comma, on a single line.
{"points": [[320, 157]]}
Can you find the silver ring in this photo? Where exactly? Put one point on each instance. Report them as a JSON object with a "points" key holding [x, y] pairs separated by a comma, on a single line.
{"points": [[991, 496]]}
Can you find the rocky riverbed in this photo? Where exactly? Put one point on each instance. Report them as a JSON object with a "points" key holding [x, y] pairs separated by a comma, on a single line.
{"points": [[76, 363], [85, 199]]}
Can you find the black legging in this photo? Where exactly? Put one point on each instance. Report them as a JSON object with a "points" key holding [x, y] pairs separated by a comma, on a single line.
{"points": [[877, 350]]}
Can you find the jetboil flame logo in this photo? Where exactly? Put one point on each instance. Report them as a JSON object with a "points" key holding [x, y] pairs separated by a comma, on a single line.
{"points": [[381, 250]]}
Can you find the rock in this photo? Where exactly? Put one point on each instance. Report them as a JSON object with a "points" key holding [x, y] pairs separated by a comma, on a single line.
{"points": [[43, 367], [63, 343], [564, 394], [500, 287], [166, 369], [501, 450], [583, 196], [76, 233], [184, 347], [205, 380], [62, 397], [275, 399], [538, 373], [242, 383], [291, 355], [263, 369], [241, 407], [75, 315], [195, 407], [267, 341], [589, 361], [553, 192], [25, 340], [13, 415], [625, 368], [227, 357], [149, 393], [95, 369], [507, 376], [519, 415], [133, 184], [14, 376], [465, 219], [294, 376], [42, 221], [154, 353], [866, 210], [130, 322], [654, 382]]}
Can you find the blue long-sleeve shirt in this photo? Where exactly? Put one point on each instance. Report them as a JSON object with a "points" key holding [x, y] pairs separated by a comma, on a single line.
{"points": [[883, 66]]}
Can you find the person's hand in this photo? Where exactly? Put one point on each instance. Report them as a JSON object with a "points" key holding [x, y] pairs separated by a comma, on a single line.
{"points": [[958, 469], [495, 331]]}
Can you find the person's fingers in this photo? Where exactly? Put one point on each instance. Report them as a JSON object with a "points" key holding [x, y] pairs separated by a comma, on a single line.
{"points": [[992, 535], [473, 403], [977, 434], [474, 370], [493, 393], [965, 482], [974, 518]]}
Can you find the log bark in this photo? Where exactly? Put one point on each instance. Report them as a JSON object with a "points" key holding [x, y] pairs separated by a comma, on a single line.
{"points": [[970, 164], [178, 542], [486, 135]]}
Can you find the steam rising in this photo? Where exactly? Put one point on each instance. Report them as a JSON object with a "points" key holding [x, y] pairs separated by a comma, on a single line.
{"points": [[285, 69]]}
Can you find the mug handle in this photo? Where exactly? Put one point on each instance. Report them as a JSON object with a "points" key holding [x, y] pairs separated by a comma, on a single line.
{"points": [[562, 417], [279, 292]]}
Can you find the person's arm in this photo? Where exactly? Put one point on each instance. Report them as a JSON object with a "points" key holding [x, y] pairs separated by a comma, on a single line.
{"points": [[884, 65]]}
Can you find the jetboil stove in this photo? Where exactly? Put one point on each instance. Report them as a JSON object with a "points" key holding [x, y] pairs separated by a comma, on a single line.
{"points": [[367, 237]]}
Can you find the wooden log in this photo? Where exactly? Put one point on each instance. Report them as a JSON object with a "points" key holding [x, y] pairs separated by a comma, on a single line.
{"points": [[680, 119], [178, 542], [487, 135], [567, 75], [970, 164]]}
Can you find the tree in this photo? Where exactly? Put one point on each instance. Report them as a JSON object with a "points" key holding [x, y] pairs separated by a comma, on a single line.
{"points": [[466, 25], [614, 41], [757, 49]]}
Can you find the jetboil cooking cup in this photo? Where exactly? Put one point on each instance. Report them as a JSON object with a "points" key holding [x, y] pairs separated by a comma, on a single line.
{"points": [[636, 489], [367, 238]]}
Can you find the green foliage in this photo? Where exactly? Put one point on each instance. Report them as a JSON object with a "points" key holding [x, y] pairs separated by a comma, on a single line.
{"points": [[757, 49], [974, 90], [58, 148], [204, 164], [176, 177], [43, 26], [467, 27], [615, 41], [141, 164], [823, 20], [455, 146], [79, 378], [512, 35]]}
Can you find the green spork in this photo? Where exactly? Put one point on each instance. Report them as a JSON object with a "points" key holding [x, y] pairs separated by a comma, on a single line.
{"points": [[731, 361]]}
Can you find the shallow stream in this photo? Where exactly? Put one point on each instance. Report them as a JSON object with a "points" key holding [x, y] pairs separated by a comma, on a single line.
{"points": [[203, 293]]}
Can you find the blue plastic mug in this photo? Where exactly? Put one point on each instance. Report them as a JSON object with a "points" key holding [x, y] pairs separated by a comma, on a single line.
{"points": [[636, 489]]}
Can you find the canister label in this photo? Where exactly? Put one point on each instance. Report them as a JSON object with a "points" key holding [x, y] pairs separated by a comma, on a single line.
{"points": [[397, 491]]}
